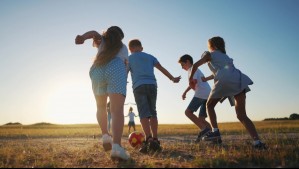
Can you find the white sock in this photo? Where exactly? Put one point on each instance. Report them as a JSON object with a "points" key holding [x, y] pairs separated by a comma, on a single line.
{"points": [[215, 129]]}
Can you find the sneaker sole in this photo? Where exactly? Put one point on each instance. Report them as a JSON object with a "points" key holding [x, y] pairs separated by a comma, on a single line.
{"points": [[107, 146], [218, 141], [143, 151], [154, 148], [211, 138], [118, 159], [263, 147], [201, 138]]}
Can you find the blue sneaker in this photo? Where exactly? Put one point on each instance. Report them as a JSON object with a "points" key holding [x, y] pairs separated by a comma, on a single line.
{"points": [[201, 134], [260, 146], [215, 137]]}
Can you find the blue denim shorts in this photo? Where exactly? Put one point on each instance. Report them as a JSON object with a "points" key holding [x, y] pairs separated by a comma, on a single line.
{"points": [[195, 104], [109, 78], [145, 98]]}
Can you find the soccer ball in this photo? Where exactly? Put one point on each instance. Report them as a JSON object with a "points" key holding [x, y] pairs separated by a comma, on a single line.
{"points": [[135, 139]]}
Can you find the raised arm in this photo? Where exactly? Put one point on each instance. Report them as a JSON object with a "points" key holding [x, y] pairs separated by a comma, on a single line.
{"points": [[205, 79], [88, 35], [167, 74], [204, 59]]}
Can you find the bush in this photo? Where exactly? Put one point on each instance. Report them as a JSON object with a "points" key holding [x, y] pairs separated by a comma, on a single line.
{"points": [[10, 124], [294, 116]]}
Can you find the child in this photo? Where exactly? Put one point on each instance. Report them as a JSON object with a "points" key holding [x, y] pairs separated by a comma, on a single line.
{"points": [[228, 81], [202, 91], [131, 116], [109, 79], [144, 82]]}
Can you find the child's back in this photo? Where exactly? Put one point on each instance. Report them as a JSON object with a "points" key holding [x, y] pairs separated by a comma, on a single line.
{"points": [[142, 68]]}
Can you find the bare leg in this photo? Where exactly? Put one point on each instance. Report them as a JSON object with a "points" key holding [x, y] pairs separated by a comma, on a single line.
{"points": [[211, 103], [102, 113], [198, 121], [117, 113], [109, 125], [145, 123], [154, 126], [242, 116]]}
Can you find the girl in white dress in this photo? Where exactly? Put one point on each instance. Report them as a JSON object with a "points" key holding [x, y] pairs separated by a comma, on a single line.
{"points": [[228, 82]]}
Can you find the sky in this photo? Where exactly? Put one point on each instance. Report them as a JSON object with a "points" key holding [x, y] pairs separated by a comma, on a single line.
{"points": [[45, 77]]}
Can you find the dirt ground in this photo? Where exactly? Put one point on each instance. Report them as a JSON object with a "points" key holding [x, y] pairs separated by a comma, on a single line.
{"points": [[178, 151]]}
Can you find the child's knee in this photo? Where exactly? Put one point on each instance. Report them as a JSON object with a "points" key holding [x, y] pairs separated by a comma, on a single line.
{"points": [[188, 113], [202, 119], [209, 107]]}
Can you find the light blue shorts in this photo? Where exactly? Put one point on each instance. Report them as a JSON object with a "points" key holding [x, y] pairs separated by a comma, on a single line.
{"points": [[109, 78]]}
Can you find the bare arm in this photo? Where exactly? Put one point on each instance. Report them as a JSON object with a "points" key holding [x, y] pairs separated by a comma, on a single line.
{"points": [[167, 74], [88, 35], [206, 58], [185, 92], [211, 67], [204, 79]]}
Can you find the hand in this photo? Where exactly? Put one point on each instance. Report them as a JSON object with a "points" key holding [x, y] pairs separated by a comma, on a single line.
{"points": [[184, 96], [176, 79], [205, 53], [126, 62], [192, 84], [79, 40], [204, 79]]}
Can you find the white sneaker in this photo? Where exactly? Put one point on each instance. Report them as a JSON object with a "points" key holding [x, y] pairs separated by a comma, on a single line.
{"points": [[119, 153], [107, 142]]}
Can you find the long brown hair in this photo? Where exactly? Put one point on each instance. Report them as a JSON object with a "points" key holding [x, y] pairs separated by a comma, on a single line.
{"points": [[112, 44], [218, 43]]}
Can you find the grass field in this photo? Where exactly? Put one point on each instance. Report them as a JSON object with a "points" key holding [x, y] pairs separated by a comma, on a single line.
{"points": [[79, 146]]}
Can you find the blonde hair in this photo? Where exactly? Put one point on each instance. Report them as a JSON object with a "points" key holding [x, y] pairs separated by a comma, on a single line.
{"points": [[112, 45]]}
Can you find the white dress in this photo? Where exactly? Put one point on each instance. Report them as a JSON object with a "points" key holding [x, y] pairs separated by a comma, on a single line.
{"points": [[228, 81]]}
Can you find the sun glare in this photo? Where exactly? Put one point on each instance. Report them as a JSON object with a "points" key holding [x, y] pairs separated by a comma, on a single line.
{"points": [[71, 104]]}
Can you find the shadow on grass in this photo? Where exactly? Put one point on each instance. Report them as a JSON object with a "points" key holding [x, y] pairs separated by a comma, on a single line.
{"points": [[131, 163]]}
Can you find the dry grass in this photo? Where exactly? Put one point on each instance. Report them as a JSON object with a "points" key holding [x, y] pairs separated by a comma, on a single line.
{"points": [[74, 146]]}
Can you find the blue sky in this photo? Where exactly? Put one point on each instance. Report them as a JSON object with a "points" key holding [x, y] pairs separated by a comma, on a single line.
{"points": [[44, 75]]}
